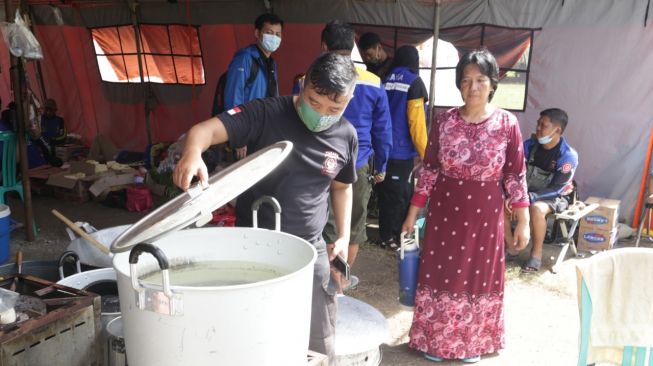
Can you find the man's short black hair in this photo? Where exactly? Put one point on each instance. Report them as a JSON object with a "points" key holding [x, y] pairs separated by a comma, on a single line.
{"points": [[485, 61], [267, 18], [368, 40], [338, 36], [331, 74], [557, 117]]}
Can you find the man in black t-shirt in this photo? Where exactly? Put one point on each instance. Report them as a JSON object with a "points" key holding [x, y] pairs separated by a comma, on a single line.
{"points": [[323, 159], [373, 54]]}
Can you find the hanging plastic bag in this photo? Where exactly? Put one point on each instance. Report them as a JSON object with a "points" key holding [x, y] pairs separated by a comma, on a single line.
{"points": [[20, 40]]}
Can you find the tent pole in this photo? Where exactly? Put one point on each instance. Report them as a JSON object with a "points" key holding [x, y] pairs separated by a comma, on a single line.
{"points": [[39, 71], [436, 35], [18, 87], [133, 5]]}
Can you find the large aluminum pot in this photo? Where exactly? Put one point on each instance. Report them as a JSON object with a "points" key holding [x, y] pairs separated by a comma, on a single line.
{"points": [[260, 323]]}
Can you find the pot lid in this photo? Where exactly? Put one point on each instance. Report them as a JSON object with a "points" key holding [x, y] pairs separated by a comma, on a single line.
{"points": [[197, 203]]}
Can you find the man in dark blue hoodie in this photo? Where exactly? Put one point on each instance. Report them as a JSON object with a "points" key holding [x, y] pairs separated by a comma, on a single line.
{"points": [[242, 85]]}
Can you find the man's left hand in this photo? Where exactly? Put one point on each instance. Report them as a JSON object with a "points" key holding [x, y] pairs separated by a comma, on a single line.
{"points": [[340, 247]]}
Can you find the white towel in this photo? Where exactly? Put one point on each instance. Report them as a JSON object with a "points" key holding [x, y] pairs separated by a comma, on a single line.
{"points": [[620, 283]]}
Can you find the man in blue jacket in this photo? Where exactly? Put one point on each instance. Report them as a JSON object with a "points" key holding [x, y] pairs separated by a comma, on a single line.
{"points": [[551, 164], [369, 113], [252, 73]]}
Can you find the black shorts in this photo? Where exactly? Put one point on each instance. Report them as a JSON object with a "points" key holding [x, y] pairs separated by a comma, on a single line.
{"points": [[557, 204]]}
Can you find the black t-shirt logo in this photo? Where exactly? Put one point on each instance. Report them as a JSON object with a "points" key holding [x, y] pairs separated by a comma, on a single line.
{"points": [[330, 164]]}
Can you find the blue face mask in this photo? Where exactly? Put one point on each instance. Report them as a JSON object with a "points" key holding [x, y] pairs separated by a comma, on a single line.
{"points": [[314, 121], [270, 42]]}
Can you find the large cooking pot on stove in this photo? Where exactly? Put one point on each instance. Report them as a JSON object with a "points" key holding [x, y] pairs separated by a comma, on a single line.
{"points": [[215, 296]]}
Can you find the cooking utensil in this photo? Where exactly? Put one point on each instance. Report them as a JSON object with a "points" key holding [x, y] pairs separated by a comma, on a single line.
{"points": [[19, 264], [81, 232]]}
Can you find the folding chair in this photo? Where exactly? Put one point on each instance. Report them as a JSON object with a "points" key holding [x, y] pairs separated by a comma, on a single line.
{"points": [[571, 216], [608, 263]]}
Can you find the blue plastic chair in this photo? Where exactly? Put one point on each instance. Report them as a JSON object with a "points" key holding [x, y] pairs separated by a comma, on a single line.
{"points": [[9, 182], [632, 356]]}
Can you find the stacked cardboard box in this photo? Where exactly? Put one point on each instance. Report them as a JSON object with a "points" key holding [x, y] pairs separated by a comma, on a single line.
{"points": [[598, 229], [85, 177], [69, 152]]}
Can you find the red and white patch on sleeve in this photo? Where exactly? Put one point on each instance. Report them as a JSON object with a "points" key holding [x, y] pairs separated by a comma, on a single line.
{"points": [[566, 168], [234, 110]]}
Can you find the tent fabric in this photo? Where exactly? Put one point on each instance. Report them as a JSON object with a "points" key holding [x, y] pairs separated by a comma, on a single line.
{"points": [[591, 58]]}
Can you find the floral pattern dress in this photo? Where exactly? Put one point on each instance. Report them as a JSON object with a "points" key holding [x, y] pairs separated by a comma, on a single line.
{"points": [[468, 171]]}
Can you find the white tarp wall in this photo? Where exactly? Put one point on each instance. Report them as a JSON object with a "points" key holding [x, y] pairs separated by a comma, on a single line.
{"points": [[592, 58]]}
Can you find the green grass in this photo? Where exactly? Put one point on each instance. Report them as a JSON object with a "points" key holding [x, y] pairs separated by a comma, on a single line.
{"points": [[510, 96]]}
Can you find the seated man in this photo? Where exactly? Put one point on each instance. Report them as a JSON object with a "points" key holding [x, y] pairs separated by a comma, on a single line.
{"points": [[550, 164], [44, 138]]}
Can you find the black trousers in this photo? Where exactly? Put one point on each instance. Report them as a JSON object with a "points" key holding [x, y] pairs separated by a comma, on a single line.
{"points": [[394, 197]]}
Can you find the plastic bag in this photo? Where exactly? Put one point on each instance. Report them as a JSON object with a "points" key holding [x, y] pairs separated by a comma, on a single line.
{"points": [[20, 40], [7, 299]]}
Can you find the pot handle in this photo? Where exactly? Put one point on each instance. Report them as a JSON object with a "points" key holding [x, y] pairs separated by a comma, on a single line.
{"points": [[151, 299], [275, 205], [62, 261]]}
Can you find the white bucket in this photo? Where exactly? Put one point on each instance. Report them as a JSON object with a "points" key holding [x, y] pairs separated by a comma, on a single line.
{"points": [[260, 323]]}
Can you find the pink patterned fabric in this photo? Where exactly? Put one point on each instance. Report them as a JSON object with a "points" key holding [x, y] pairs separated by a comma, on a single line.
{"points": [[467, 170], [462, 325], [488, 151]]}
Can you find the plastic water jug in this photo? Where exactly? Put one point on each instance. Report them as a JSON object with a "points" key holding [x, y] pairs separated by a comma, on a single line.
{"points": [[408, 257], [5, 232]]}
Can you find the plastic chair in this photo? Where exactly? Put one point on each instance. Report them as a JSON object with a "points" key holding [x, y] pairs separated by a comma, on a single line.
{"points": [[631, 355], [9, 182]]}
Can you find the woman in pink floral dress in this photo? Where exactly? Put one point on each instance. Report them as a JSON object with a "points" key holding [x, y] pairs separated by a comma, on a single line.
{"points": [[473, 162]]}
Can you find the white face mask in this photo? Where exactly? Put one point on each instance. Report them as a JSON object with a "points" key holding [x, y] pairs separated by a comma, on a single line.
{"points": [[545, 139], [270, 42]]}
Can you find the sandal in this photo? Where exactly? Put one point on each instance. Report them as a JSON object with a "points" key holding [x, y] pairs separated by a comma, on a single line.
{"points": [[532, 265], [473, 359], [430, 357], [390, 244], [511, 257], [353, 283]]}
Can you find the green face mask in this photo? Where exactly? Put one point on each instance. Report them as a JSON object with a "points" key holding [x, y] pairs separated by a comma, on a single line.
{"points": [[314, 121]]}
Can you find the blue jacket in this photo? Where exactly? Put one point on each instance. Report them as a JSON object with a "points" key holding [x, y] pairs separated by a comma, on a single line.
{"points": [[565, 168], [405, 133], [369, 113], [236, 92]]}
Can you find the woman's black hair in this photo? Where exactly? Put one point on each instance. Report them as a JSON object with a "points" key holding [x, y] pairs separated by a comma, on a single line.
{"points": [[487, 64]]}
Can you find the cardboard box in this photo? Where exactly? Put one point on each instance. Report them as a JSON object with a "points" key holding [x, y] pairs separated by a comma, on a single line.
{"points": [[70, 189], [110, 180], [70, 151], [87, 168], [594, 240], [603, 217]]}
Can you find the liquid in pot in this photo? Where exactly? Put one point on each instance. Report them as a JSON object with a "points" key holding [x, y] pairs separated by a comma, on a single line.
{"points": [[217, 273]]}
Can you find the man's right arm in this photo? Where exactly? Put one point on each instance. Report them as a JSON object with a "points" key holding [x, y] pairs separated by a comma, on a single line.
{"points": [[234, 90], [198, 139], [381, 134]]}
